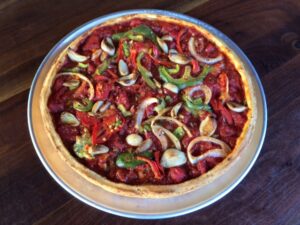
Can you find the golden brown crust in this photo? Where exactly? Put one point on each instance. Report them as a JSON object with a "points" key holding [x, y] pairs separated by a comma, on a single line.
{"points": [[152, 191]]}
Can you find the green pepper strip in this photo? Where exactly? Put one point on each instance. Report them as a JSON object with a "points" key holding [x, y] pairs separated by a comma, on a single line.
{"points": [[133, 33], [186, 80], [128, 160], [195, 104], [102, 67], [179, 132], [144, 72], [126, 49], [123, 110], [85, 107], [174, 70]]}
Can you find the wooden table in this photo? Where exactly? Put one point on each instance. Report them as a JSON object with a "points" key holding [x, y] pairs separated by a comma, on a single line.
{"points": [[268, 32]]}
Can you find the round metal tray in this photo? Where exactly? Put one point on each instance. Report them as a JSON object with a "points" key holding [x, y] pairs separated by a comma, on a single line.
{"points": [[136, 207]]}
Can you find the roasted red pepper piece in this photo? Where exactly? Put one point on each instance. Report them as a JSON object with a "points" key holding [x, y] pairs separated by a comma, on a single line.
{"points": [[154, 167], [178, 39]]}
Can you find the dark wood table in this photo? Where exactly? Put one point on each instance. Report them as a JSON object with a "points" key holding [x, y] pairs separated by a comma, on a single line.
{"points": [[268, 32]]}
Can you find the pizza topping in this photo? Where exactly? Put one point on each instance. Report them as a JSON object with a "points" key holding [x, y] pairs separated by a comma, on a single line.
{"points": [[69, 118], [142, 102], [134, 140], [146, 74], [208, 126], [123, 68], [75, 56], [91, 87], [128, 80], [176, 109], [163, 45], [171, 87], [178, 58], [206, 60], [218, 152], [224, 86], [144, 146], [186, 80], [72, 84], [97, 106], [108, 46], [141, 110], [172, 157], [85, 106], [99, 149], [235, 107]]}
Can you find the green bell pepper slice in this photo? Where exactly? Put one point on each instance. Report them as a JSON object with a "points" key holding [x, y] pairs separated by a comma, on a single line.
{"points": [[85, 106], [144, 72], [186, 80], [127, 160], [142, 30]]}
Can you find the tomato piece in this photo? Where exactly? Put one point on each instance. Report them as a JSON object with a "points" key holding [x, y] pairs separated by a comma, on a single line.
{"points": [[225, 113], [177, 174], [86, 120], [102, 91]]}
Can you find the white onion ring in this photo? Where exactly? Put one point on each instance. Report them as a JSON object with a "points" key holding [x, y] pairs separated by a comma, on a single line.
{"points": [[91, 89], [177, 122], [225, 149], [206, 60], [201, 87]]}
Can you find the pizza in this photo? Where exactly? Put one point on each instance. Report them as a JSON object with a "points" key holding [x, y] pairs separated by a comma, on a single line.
{"points": [[148, 106]]}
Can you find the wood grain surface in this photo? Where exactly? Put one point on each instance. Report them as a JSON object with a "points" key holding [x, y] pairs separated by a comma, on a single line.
{"points": [[267, 31]]}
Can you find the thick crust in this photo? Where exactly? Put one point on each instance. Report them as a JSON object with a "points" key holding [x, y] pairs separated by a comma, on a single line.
{"points": [[152, 191]]}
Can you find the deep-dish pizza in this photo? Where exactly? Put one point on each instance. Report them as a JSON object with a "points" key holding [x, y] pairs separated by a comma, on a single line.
{"points": [[148, 106]]}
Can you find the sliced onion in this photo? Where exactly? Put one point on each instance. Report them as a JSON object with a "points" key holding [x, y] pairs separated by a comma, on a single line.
{"points": [[141, 110], [202, 87], [157, 83], [206, 60], [144, 146], [91, 88], [128, 80], [159, 133], [208, 126], [69, 118], [97, 106], [99, 149], [104, 107], [235, 107], [172, 157], [167, 38], [160, 113], [75, 57], [176, 109], [123, 68], [170, 119], [172, 137], [163, 45], [96, 54], [107, 45], [171, 87], [225, 149], [71, 84], [175, 57], [134, 139]]}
